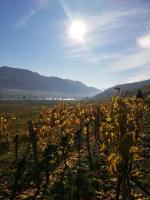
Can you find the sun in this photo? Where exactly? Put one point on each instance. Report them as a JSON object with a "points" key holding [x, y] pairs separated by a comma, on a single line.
{"points": [[78, 30]]}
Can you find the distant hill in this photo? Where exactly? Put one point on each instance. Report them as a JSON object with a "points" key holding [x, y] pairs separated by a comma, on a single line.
{"points": [[17, 81], [131, 88]]}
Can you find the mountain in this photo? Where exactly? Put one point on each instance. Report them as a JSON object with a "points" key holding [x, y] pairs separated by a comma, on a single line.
{"points": [[131, 88], [17, 81]]}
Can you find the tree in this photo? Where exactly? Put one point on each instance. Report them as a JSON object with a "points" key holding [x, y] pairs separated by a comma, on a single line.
{"points": [[139, 94]]}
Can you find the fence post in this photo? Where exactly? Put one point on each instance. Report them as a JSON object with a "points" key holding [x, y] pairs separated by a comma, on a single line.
{"points": [[33, 139], [64, 144], [78, 137], [19, 172], [16, 138], [98, 119], [88, 146]]}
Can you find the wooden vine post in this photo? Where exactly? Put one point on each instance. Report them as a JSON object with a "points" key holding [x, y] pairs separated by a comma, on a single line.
{"points": [[16, 140], [88, 145], [33, 139]]}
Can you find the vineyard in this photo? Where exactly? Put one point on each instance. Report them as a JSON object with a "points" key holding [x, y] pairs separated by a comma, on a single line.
{"points": [[78, 151]]}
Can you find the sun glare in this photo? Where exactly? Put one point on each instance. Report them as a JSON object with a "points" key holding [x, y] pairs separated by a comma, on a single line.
{"points": [[78, 30]]}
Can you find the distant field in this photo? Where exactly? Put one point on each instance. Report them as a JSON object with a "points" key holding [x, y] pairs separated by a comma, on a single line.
{"points": [[22, 111], [22, 107]]}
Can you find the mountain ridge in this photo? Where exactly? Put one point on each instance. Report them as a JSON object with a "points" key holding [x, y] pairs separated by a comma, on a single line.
{"points": [[131, 88], [24, 79]]}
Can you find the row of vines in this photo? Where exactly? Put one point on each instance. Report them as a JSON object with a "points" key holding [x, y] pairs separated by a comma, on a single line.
{"points": [[76, 151]]}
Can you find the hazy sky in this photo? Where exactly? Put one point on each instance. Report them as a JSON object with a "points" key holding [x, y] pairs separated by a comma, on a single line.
{"points": [[34, 34]]}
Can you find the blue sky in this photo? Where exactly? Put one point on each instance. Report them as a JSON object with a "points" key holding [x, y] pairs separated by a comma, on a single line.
{"points": [[34, 34]]}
